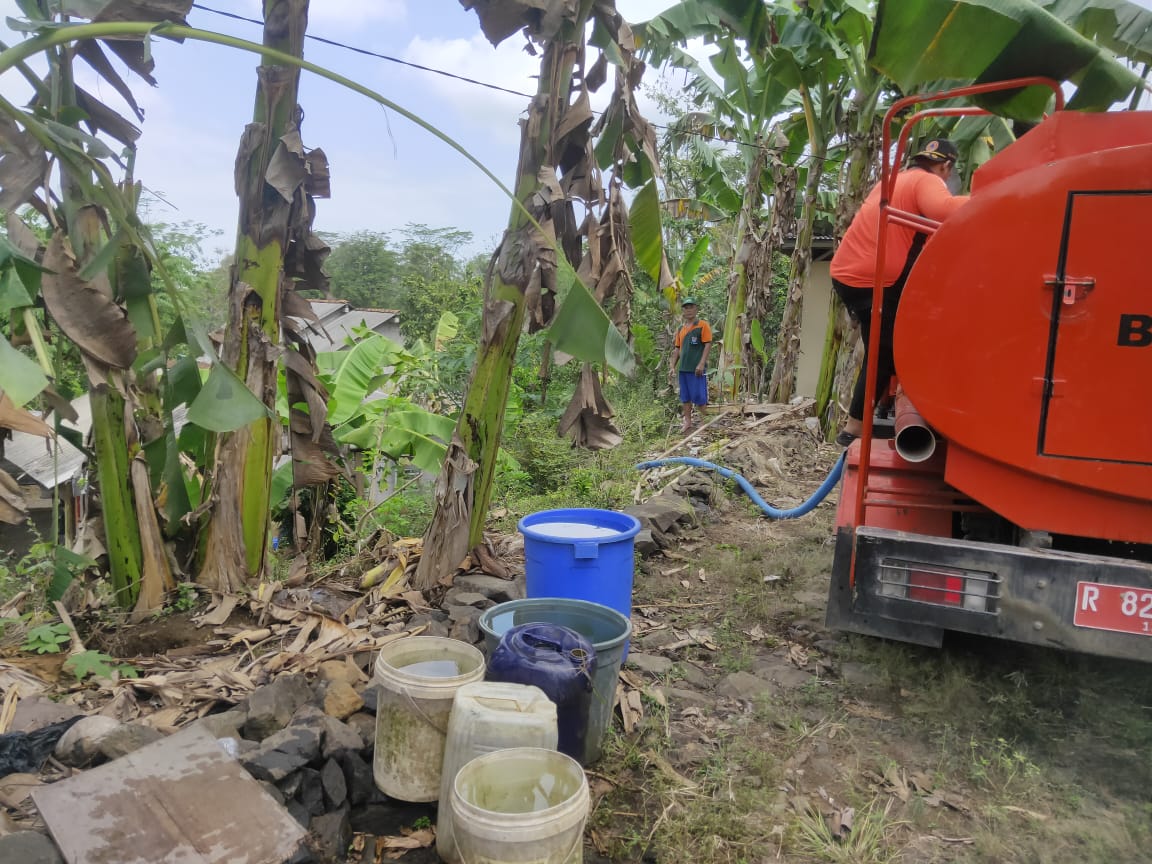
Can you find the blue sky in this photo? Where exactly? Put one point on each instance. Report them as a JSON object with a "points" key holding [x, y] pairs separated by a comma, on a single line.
{"points": [[385, 171]]}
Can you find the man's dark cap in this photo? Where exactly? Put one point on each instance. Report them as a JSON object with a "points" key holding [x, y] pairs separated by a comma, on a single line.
{"points": [[938, 150], [687, 301]]}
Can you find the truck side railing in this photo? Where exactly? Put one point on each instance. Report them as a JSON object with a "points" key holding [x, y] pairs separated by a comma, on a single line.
{"points": [[889, 168]]}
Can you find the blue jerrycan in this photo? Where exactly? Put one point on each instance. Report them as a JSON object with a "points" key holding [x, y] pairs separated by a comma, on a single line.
{"points": [[560, 662]]}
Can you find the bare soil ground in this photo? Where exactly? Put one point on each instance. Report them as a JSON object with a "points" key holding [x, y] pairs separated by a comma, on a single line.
{"points": [[767, 738]]}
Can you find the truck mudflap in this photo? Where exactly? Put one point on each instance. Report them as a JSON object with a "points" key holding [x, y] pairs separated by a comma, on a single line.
{"points": [[914, 588]]}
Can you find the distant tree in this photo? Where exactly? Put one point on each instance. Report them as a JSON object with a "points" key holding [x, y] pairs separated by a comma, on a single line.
{"points": [[364, 270]]}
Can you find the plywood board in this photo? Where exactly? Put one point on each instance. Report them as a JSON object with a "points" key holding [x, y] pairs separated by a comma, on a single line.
{"points": [[181, 800]]}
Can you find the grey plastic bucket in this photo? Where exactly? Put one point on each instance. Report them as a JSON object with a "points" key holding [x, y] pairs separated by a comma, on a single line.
{"points": [[605, 628]]}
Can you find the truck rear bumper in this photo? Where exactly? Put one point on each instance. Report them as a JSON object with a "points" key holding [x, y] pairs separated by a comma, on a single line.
{"points": [[1042, 597]]}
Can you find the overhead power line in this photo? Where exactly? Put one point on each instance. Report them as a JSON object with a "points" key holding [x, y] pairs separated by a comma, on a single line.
{"points": [[475, 82]]}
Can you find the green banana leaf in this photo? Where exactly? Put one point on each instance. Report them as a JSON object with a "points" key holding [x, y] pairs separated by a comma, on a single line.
{"points": [[21, 378], [1120, 26], [647, 241], [406, 432], [225, 403], [690, 266], [357, 374], [582, 328], [918, 41]]}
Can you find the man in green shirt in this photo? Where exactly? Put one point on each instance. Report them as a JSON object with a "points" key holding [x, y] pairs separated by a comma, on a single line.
{"points": [[690, 351]]}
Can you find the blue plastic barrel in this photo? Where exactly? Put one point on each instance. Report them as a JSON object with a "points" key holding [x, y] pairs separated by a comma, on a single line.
{"points": [[581, 553], [559, 661]]}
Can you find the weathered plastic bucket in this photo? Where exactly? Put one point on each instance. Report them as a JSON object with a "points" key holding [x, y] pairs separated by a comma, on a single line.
{"points": [[489, 716], [585, 554], [520, 805], [418, 678], [608, 631]]}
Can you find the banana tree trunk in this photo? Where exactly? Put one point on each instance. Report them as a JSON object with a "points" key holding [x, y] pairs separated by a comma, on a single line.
{"points": [[464, 488], [733, 348], [783, 383], [759, 269], [235, 538], [121, 530]]}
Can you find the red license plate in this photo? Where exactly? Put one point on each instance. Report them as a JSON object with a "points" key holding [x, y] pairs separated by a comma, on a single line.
{"points": [[1113, 607]]}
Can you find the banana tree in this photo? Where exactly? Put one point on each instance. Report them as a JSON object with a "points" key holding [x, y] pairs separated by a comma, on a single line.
{"points": [[94, 284], [546, 253], [739, 100], [806, 55], [277, 182], [968, 41]]}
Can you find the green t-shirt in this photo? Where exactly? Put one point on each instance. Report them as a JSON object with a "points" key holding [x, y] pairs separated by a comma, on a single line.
{"points": [[691, 339]]}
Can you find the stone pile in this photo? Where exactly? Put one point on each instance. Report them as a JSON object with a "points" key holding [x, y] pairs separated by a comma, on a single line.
{"points": [[308, 743]]}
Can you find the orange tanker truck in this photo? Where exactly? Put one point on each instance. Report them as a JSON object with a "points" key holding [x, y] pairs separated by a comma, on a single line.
{"points": [[1012, 495]]}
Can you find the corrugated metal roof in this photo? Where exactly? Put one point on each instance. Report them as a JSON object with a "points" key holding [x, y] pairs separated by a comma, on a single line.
{"points": [[41, 460], [329, 309], [340, 327]]}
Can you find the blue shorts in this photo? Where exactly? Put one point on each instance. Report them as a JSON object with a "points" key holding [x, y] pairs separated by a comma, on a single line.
{"points": [[694, 388]]}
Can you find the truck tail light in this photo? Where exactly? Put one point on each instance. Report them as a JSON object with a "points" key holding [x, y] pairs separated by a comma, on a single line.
{"points": [[958, 587], [929, 587]]}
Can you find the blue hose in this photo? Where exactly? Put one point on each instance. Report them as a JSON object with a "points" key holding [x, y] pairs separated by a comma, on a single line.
{"points": [[771, 512]]}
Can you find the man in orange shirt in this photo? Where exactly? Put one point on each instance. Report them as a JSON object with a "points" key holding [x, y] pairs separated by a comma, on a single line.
{"points": [[690, 358], [922, 188]]}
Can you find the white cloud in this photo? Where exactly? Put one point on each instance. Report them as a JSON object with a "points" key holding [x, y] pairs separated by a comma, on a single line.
{"points": [[507, 66]]}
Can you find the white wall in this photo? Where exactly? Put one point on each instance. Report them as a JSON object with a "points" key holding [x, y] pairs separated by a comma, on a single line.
{"points": [[813, 327]]}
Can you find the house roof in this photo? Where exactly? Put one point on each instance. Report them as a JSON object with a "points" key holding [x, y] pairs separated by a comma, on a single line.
{"points": [[338, 318], [41, 459], [34, 457]]}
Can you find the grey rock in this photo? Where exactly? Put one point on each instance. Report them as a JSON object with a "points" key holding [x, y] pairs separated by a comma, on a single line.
{"points": [[339, 737], [744, 685], [456, 597], [282, 753], [29, 847], [81, 744], [226, 725], [270, 708], [309, 716], [311, 793], [461, 613], [433, 628], [127, 739], [646, 544], [662, 512], [430, 615], [500, 590], [335, 787], [694, 675], [303, 855], [331, 834], [653, 664], [298, 812], [657, 639], [467, 629], [371, 696], [276, 794], [781, 671], [358, 778], [365, 725], [290, 786], [682, 698]]}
